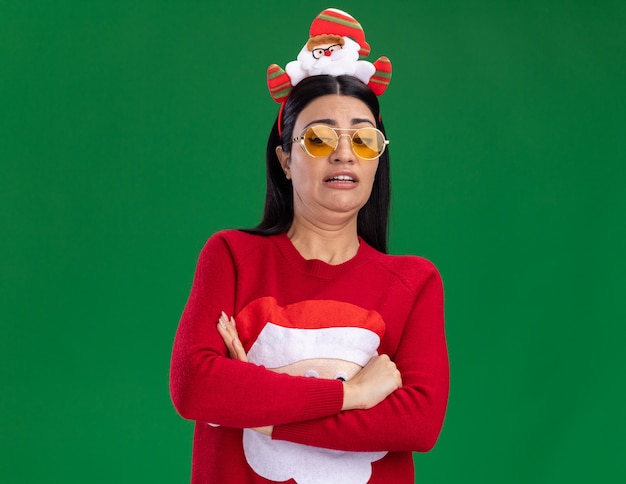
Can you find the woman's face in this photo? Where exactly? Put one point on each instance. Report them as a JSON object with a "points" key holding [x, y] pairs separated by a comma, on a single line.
{"points": [[333, 188]]}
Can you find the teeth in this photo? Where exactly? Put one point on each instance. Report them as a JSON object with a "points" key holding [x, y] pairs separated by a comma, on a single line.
{"points": [[341, 178]]}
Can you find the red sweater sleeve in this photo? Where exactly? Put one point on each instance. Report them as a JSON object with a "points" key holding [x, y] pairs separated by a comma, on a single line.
{"points": [[411, 418], [207, 386]]}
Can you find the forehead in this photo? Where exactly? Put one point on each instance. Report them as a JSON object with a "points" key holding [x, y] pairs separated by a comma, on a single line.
{"points": [[341, 110]]}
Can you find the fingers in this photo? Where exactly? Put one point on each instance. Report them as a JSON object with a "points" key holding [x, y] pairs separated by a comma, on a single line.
{"points": [[228, 331], [389, 369], [265, 430], [240, 353], [370, 386]]}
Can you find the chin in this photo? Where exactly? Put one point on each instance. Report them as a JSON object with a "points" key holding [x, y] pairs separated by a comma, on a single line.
{"points": [[347, 206]]}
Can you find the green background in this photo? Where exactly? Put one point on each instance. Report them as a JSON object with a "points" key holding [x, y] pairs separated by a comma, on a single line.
{"points": [[132, 130]]}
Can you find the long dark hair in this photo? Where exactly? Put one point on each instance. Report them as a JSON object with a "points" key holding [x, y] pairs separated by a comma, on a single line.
{"points": [[373, 218]]}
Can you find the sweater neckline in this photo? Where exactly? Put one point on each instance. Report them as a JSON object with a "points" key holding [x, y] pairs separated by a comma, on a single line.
{"points": [[317, 267]]}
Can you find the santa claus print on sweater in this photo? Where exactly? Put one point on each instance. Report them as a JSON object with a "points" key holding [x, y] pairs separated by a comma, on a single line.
{"points": [[318, 339]]}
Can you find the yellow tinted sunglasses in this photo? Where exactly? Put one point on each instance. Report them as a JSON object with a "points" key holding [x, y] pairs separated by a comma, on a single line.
{"points": [[320, 140]]}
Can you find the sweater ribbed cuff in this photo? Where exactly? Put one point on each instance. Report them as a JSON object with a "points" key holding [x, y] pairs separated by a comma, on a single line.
{"points": [[299, 433], [323, 398]]}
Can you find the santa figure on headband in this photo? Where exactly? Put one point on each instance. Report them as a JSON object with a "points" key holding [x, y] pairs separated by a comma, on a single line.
{"points": [[336, 44]]}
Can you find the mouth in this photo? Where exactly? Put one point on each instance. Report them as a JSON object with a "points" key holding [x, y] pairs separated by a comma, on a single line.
{"points": [[340, 179]]}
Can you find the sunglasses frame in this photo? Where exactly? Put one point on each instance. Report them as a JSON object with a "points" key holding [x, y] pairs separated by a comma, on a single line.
{"points": [[302, 137]]}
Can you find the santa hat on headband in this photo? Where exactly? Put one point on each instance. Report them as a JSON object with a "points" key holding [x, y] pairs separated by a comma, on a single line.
{"points": [[337, 22]]}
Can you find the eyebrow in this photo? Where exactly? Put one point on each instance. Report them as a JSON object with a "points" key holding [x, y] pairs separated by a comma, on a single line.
{"points": [[332, 122]]}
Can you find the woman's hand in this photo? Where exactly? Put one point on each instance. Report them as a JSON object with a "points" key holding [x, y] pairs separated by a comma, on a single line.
{"points": [[370, 386], [228, 331]]}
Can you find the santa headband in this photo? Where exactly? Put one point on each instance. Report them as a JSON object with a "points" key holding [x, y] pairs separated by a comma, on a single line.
{"points": [[336, 46]]}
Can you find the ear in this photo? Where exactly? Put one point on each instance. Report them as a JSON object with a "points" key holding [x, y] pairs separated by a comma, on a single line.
{"points": [[284, 158]]}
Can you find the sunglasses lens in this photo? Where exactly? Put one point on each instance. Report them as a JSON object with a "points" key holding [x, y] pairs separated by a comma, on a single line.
{"points": [[320, 141], [368, 143]]}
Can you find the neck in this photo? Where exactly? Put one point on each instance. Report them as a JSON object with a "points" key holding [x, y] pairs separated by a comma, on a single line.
{"points": [[332, 244]]}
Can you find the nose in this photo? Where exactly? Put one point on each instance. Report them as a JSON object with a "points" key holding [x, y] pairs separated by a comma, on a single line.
{"points": [[327, 53], [343, 153]]}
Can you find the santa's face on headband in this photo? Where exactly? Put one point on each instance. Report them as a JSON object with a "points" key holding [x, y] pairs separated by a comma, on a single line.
{"points": [[331, 55]]}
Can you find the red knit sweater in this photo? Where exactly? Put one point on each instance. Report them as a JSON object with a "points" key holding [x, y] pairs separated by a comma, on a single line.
{"points": [[235, 272]]}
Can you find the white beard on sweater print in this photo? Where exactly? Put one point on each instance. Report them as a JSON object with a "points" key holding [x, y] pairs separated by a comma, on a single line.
{"points": [[279, 460]]}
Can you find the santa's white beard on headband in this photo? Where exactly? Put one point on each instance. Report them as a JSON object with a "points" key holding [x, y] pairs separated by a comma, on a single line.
{"points": [[341, 61]]}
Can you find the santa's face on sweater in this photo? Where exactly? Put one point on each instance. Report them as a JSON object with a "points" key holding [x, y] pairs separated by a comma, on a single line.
{"points": [[317, 339], [327, 368]]}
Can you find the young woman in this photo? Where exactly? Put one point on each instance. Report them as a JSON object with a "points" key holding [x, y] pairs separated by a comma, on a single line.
{"points": [[305, 353]]}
